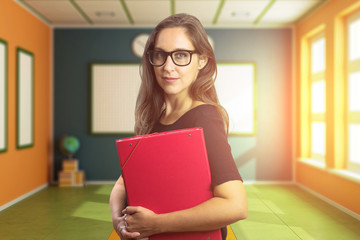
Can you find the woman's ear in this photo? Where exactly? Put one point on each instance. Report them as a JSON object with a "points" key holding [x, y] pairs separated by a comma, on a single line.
{"points": [[202, 61]]}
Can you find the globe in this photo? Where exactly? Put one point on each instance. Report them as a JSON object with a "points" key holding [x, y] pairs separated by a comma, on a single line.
{"points": [[69, 145]]}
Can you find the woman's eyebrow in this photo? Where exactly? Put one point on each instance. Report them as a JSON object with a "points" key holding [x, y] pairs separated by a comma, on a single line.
{"points": [[176, 49], [159, 49]]}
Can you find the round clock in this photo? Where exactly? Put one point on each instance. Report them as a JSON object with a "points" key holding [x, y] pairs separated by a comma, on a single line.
{"points": [[138, 44]]}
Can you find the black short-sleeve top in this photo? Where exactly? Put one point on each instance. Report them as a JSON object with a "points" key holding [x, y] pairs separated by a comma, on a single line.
{"points": [[221, 162]]}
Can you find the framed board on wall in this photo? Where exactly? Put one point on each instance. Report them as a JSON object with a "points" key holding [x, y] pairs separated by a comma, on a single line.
{"points": [[3, 96], [236, 89], [114, 89], [25, 98]]}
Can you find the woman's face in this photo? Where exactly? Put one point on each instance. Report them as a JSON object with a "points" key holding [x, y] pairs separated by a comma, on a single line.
{"points": [[176, 80]]}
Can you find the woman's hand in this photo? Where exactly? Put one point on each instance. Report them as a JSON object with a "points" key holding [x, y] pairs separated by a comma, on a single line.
{"points": [[139, 220], [117, 204], [119, 225]]}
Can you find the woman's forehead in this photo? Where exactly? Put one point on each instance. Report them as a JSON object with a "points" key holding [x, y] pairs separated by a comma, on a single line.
{"points": [[173, 38]]}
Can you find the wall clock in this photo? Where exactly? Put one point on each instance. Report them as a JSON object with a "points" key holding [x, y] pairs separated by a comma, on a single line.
{"points": [[138, 44]]}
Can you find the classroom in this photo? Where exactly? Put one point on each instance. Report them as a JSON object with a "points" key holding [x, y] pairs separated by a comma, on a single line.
{"points": [[288, 74]]}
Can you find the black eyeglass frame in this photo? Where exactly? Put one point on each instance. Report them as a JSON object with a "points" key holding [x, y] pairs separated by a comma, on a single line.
{"points": [[191, 52]]}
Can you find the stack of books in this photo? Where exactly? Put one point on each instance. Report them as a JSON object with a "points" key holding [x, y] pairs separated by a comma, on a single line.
{"points": [[70, 175]]}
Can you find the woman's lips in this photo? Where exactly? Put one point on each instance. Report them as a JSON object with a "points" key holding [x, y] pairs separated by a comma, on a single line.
{"points": [[169, 79]]}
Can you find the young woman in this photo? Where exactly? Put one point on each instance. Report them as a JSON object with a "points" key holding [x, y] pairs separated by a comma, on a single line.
{"points": [[178, 71]]}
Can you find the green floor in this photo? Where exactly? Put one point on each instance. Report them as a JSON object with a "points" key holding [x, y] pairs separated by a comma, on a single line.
{"points": [[278, 212]]}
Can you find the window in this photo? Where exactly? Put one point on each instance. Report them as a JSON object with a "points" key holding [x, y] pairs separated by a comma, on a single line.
{"points": [[317, 95], [353, 90]]}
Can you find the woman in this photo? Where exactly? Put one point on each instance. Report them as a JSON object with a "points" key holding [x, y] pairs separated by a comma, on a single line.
{"points": [[178, 71]]}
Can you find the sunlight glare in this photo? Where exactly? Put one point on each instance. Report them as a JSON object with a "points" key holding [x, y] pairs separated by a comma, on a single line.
{"points": [[354, 40], [354, 92], [354, 143], [318, 96], [318, 138], [318, 56]]}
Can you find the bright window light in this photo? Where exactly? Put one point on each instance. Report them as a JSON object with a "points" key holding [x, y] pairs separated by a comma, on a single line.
{"points": [[354, 91], [318, 56], [354, 143], [318, 97], [354, 40], [318, 138]]}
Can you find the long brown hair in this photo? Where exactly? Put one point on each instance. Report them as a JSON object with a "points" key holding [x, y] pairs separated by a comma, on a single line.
{"points": [[150, 101]]}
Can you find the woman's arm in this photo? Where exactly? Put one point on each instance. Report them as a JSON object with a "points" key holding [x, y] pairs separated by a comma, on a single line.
{"points": [[228, 205], [117, 204]]}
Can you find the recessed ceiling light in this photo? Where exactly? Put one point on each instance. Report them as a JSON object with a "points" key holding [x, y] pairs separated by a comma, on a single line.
{"points": [[241, 14], [105, 14]]}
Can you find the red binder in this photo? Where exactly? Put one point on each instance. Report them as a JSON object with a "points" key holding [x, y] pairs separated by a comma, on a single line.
{"points": [[165, 172]]}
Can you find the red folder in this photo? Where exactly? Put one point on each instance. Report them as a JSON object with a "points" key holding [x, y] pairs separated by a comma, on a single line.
{"points": [[166, 172]]}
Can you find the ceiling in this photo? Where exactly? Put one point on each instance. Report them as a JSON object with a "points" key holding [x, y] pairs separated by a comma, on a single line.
{"points": [[147, 13]]}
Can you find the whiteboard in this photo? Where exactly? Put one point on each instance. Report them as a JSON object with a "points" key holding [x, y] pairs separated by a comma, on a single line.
{"points": [[25, 98], [3, 96], [114, 89], [236, 89]]}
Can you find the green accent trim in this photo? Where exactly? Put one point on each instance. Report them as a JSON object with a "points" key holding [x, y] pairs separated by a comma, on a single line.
{"points": [[127, 12], [18, 51], [3, 42], [264, 11], [33, 10], [218, 11], [172, 7], [82, 13]]}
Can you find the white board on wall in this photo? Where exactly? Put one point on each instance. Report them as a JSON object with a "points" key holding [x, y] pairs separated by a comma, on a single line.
{"points": [[3, 96], [236, 89], [25, 98], [114, 89]]}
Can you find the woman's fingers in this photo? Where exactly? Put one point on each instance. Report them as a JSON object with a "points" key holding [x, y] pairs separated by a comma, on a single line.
{"points": [[130, 210], [129, 234]]}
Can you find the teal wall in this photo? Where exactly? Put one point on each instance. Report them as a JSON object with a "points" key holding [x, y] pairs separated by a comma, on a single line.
{"points": [[264, 157]]}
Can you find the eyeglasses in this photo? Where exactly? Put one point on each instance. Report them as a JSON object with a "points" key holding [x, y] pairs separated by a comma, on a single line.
{"points": [[158, 58]]}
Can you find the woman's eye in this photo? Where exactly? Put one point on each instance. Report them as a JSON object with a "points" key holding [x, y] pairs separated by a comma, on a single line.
{"points": [[159, 55], [181, 55]]}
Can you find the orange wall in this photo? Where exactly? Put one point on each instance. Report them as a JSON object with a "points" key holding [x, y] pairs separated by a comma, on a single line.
{"points": [[340, 190], [22, 171]]}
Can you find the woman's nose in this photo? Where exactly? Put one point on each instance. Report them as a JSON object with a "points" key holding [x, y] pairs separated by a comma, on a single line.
{"points": [[169, 64]]}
